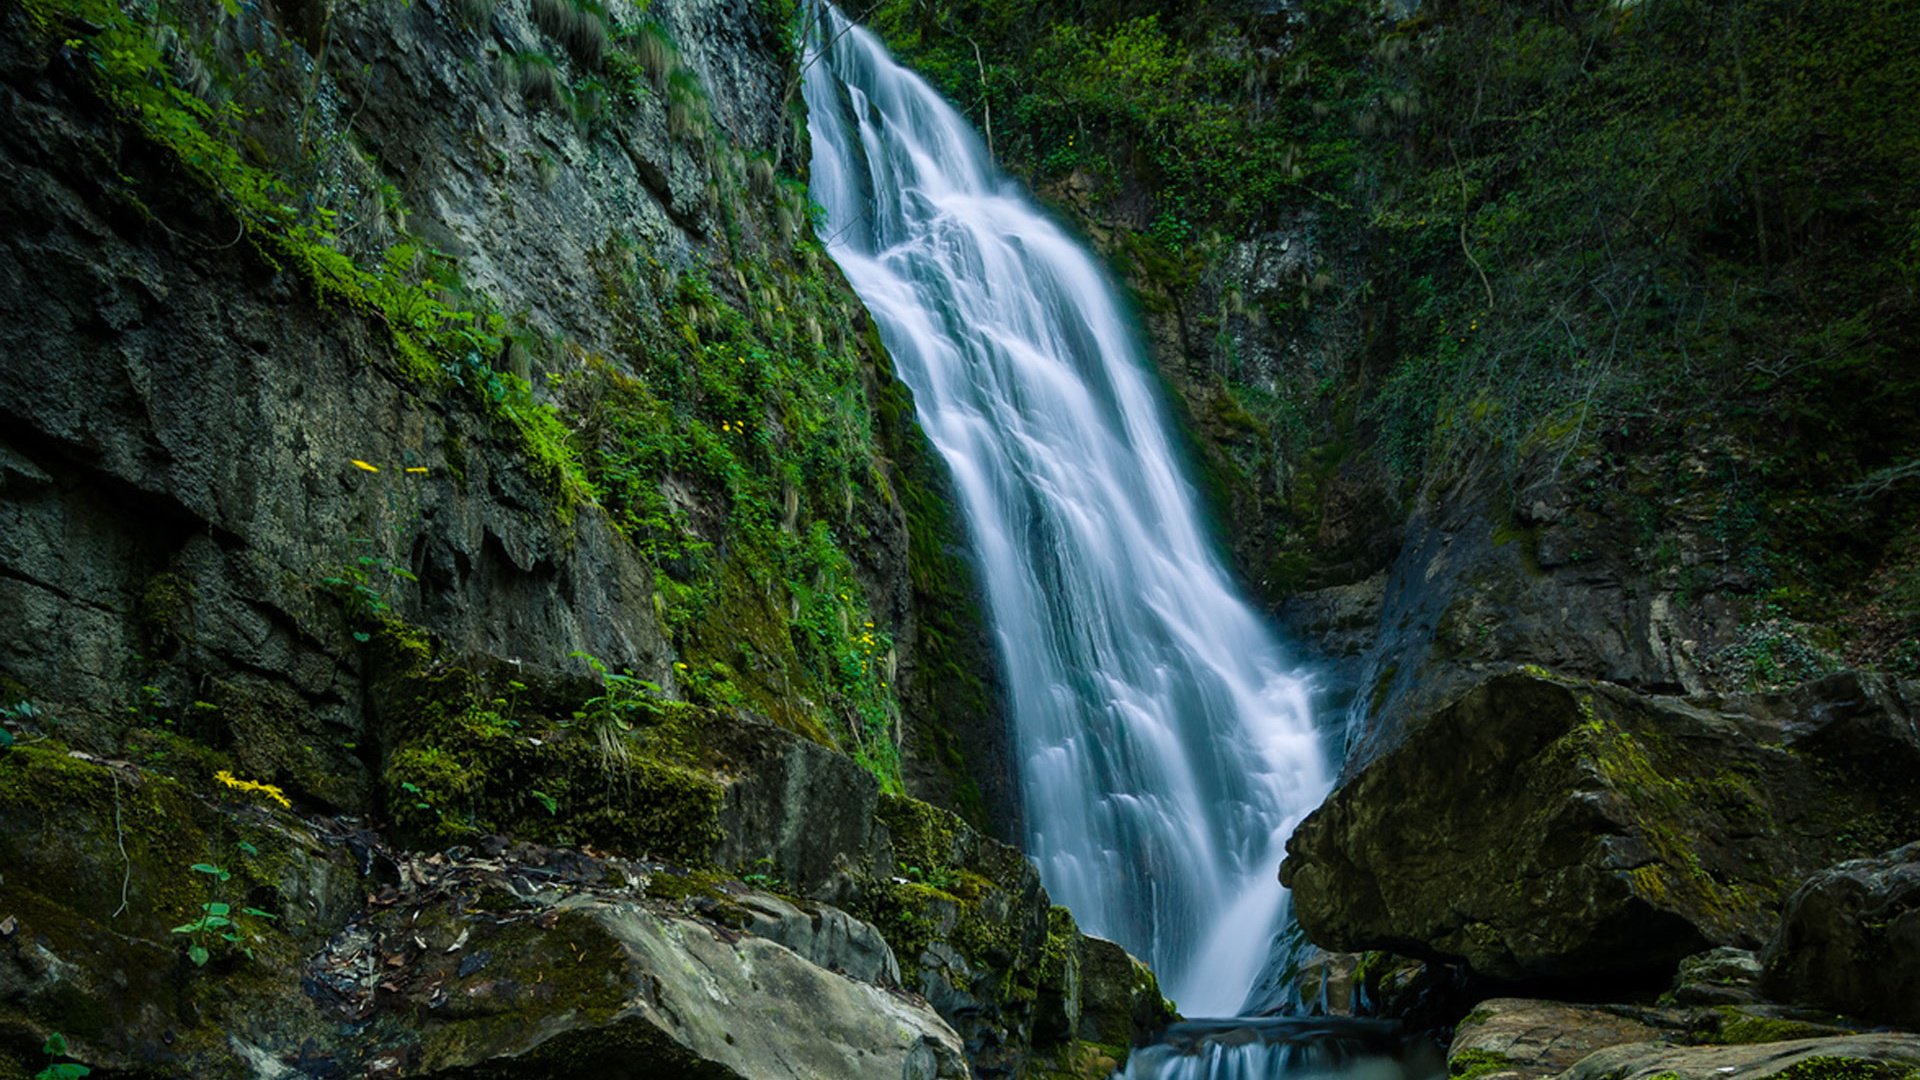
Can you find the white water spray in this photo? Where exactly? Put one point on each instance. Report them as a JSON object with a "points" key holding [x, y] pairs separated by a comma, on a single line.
{"points": [[1165, 742]]}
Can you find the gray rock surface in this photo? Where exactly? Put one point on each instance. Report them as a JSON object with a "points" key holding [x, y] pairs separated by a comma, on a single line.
{"points": [[1849, 940], [825, 936], [1530, 1039], [1723, 976], [693, 997], [1869, 1057]]}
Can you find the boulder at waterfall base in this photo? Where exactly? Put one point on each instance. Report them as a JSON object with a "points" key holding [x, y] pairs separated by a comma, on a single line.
{"points": [[1540, 828]]}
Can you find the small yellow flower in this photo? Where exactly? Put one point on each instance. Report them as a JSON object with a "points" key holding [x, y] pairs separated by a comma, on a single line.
{"points": [[418, 470], [268, 790], [358, 464]]}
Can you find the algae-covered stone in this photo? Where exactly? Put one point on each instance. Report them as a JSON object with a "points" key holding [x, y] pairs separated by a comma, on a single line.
{"points": [[1546, 828], [100, 862], [1120, 1000]]}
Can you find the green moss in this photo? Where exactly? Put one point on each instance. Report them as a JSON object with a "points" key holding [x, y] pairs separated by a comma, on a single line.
{"points": [[441, 347], [924, 837], [1382, 687], [1078, 1060], [1738, 1027], [1061, 950], [1664, 800], [1474, 1064], [473, 751], [164, 614], [1527, 540], [1845, 1068], [961, 890]]}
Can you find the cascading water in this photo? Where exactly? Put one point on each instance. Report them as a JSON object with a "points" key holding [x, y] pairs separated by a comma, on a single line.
{"points": [[1166, 747]]}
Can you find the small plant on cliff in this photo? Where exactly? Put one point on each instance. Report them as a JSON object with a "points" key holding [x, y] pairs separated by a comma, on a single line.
{"points": [[578, 24], [610, 715], [361, 581], [219, 921], [18, 713], [56, 1047]]}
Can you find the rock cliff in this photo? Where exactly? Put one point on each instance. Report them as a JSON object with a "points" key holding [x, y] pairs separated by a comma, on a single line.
{"points": [[477, 602]]}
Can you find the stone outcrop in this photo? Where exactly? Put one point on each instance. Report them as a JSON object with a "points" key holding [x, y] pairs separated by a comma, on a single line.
{"points": [[643, 993], [1849, 940], [502, 957], [184, 398], [252, 527], [1540, 828], [1869, 1057], [1528, 1039]]}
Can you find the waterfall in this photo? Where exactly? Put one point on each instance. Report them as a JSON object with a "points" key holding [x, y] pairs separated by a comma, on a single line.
{"points": [[1164, 740]]}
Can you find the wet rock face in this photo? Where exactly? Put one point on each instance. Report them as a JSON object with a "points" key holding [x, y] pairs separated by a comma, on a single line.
{"points": [[1537, 828], [1849, 940], [178, 487]]}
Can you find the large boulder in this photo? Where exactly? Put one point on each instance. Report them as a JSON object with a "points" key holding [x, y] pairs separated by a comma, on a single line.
{"points": [[1846, 1057], [1849, 940], [1528, 1039], [1545, 828], [618, 988]]}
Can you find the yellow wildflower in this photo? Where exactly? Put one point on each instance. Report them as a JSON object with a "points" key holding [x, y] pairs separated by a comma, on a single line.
{"points": [[268, 790], [358, 464], [418, 470]]}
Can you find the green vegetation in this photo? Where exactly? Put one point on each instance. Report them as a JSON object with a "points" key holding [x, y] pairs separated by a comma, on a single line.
{"points": [[1671, 241], [1474, 1064], [738, 451], [219, 921], [1739, 1027], [1842, 1068], [55, 1048], [730, 432], [957, 890], [478, 752]]}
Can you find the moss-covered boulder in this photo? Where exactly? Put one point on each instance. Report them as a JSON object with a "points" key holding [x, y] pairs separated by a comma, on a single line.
{"points": [[113, 879], [1119, 996], [1850, 940], [1541, 828], [976, 935]]}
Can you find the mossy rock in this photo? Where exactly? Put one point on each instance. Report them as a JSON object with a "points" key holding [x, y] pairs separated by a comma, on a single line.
{"points": [[472, 750], [1553, 829], [100, 870]]}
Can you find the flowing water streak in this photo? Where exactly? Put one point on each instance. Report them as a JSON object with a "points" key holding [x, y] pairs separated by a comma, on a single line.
{"points": [[1165, 744]]}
